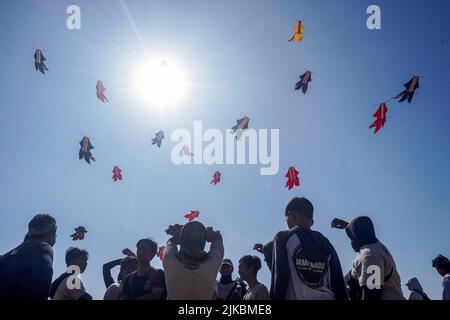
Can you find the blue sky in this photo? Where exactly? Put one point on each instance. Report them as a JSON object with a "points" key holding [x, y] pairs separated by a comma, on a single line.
{"points": [[238, 63]]}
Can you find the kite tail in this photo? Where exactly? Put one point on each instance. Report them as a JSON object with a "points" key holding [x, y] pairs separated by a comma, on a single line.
{"points": [[305, 88]]}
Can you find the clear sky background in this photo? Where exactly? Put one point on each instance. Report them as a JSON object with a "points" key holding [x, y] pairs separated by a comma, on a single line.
{"points": [[238, 62]]}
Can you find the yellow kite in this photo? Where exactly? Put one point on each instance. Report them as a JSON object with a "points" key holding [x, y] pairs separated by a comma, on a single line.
{"points": [[298, 32]]}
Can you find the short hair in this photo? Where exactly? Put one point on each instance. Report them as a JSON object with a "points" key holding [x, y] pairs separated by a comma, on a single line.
{"points": [[40, 226], [441, 262], [301, 206], [151, 242], [251, 262], [73, 253], [193, 236]]}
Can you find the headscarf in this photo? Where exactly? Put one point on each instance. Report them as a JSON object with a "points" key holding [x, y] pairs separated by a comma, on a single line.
{"points": [[229, 277], [414, 285]]}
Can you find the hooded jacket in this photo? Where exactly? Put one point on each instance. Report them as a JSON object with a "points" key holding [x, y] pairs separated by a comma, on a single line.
{"points": [[416, 290], [372, 253]]}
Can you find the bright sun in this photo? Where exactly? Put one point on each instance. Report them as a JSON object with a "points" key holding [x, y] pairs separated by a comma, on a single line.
{"points": [[160, 83]]}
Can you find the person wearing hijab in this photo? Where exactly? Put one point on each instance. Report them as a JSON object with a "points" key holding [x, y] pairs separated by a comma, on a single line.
{"points": [[373, 270], [26, 272], [416, 290], [226, 287], [191, 271]]}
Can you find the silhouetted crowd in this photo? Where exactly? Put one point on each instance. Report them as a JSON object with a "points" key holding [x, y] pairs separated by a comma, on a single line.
{"points": [[303, 264]]}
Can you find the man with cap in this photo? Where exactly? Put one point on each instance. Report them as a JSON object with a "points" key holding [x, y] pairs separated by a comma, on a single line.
{"points": [[305, 265], [226, 287], [26, 271]]}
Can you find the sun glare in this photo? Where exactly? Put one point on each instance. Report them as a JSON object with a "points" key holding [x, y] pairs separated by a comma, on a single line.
{"points": [[160, 83]]}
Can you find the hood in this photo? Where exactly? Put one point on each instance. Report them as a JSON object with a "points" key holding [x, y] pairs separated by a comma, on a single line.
{"points": [[414, 285], [361, 232]]}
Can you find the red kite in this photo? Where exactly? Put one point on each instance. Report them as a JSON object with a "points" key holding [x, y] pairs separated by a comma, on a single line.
{"points": [[380, 116], [160, 253], [293, 179], [117, 174], [192, 215], [101, 92]]}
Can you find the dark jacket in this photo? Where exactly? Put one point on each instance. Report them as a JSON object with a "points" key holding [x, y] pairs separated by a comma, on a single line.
{"points": [[306, 262], [26, 272]]}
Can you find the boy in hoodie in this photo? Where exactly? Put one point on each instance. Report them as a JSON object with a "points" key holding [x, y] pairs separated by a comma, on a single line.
{"points": [[371, 255], [416, 290], [305, 265]]}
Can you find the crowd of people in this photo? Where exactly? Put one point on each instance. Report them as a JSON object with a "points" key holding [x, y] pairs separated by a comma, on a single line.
{"points": [[303, 264]]}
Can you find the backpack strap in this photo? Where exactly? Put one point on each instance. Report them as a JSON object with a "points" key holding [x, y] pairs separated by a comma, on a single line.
{"points": [[230, 294]]}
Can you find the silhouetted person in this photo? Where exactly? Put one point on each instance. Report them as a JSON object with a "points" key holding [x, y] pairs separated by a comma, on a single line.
{"points": [[191, 272], [417, 292], [442, 265], [26, 271], [226, 287], [371, 253], [146, 283], [66, 286], [248, 271], [305, 265]]}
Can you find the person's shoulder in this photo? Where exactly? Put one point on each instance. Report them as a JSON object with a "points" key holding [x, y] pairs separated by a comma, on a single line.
{"points": [[446, 279], [114, 286], [284, 234], [370, 249], [46, 248], [262, 287], [36, 248]]}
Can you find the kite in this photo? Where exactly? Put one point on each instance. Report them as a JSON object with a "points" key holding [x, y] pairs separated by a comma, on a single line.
{"points": [[85, 150], [160, 253], [216, 178], [101, 92], [292, 176], [187, 151], [411, 86], [79, 234], [117, 174], [380, 116], [192, 215], [39, 60], [241, 125], [303, 83], [298, 32], [158, 138]]}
